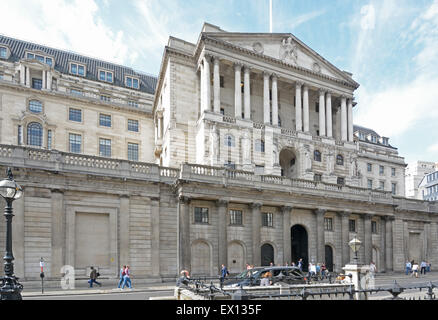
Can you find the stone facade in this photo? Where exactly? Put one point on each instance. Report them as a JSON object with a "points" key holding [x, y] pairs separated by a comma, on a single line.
{"points": [[246, 154]]}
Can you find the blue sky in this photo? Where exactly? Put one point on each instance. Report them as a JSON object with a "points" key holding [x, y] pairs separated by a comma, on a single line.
{"points": [[390, 46]]}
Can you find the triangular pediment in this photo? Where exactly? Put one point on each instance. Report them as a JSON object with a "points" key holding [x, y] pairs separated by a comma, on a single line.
{"points": [[284, 47]]}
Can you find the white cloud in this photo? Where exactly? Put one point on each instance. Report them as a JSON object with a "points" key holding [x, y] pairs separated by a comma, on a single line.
{"points": [[305, 18], [368, 20], [433, 148], [72, 25]]}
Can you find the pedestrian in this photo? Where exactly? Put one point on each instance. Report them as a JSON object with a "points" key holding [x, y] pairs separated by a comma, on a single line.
{"points": [[292, 264], [428, 266], [323, 271], [184, 278], [224, 273], [318, 269], [415, 269], [300, 264], [248, 267], [271, 264], [408, 267], [265, 281], [423, 266], [127, 278], [93, 276], [373, 269], [121, 275]]}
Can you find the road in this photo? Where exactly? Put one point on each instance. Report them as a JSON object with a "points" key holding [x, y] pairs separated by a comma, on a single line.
{"points": [[126, 295]]}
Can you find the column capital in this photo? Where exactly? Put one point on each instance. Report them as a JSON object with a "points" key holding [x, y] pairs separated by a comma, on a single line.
{"points": [[388, 218], [208, 57], [305, 86], [274, 76], [184, 199], [322, 91], [266, 74], [216, 59], [221, 203], [255, 205], [345, 213], [320, 212], [237, 66], [286, 209], [247, 68], [299, 84], [343, 97], [368, 216], [330, 92]]}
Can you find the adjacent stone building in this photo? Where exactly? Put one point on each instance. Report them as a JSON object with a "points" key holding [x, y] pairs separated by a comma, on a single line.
{"points": [[243, 150]]}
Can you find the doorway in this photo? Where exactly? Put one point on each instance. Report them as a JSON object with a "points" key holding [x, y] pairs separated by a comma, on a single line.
{"points": [[267, 254], [329, 258], [299, 245]]}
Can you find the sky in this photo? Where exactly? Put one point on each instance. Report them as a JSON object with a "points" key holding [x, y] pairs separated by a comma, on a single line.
{"points": [[390, 46]]}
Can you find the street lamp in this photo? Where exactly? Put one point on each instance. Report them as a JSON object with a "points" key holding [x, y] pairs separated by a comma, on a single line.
{"points": [[355, 245], [10, 191]]}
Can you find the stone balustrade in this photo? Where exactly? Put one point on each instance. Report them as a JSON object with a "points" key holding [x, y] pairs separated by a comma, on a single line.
{"points": [[53, 160]]}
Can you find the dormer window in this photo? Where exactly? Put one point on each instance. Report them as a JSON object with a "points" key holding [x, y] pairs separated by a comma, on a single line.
{"points": [[106, 76], [77, 69], [40, 58], [3, 53], [132, 82]]}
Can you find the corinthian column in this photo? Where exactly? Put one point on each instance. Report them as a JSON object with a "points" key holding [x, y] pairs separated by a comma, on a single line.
{"points": [[321, 113], [274, 101], [298, 114], [216, 86], [207, 86], [329, 114], [343, 118], [237, 91], [306, 108], [247, 92], [266, 109], [350, 120]]}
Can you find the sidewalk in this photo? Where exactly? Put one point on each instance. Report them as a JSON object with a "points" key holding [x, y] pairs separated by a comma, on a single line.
{"points": [[33, 288]]}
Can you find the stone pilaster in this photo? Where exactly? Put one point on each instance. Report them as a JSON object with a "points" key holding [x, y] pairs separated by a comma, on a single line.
{"points": [[207, 85], [306, 126], [320, 236], [18, 235], [247, 92], [155, 237], [237, 90], [216, 85], [389, 243], [266, 107], [345, 234], [274, 101], [287, 250], [58, 232], [298, 107], [343, 118], [382, 252], [184, 252], [222, 207], [255, 231], [368, 245], [328, 113], [321, 113], [350, 120], [124, 217]]}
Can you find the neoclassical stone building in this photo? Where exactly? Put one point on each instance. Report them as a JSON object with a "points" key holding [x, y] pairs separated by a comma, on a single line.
{"points": [[243, 150]]}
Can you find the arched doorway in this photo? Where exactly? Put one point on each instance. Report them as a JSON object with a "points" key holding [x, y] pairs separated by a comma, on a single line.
{"points": [[236, 256], [299, 245], [267, 254], [329, 258], [288, 163], [201, 259]]}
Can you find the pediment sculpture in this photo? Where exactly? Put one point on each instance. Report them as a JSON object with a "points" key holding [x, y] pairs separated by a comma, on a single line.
{"points": [[288, 51]]}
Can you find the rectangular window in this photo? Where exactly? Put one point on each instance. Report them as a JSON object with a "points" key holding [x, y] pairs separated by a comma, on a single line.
{"points": [[105, 98], [236, 217], [75, 115], [392, 172], [374, 227], [49, 139], [20, 134], [259, 170], [75, 142], [381, 170], [393, 188], [267, 219], [328, 224], [132, 103], [382, 185], [106, 76], [105, 120], [132, 125], [104, 147], [77, 69], [341, 181], [352, 225], [37, 83], [370, 184], [3, 52], [316, 106], [317, 177], [201, 215], [369, 167], [49, 61], [30, 56], [132, 151], [39, 58], [132, 82], [222, 111]]}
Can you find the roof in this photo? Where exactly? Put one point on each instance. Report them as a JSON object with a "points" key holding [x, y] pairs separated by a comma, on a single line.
{"points": [[62, 58], [366, 131]]}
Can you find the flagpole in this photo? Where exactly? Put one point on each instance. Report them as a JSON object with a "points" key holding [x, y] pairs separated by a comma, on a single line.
{"points": [[270, 16]]}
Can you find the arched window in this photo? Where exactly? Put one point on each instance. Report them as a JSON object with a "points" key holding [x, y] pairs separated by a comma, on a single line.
{"points": [[35, 106], [229, 140], [260, 146], [339, 160], [317, 156], [35, 134]]}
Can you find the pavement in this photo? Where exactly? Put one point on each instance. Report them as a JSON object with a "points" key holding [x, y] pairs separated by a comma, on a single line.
{"points": [[32, 289]]}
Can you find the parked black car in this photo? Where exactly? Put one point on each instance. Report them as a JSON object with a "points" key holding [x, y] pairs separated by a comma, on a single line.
{"points": [[282, 274]]}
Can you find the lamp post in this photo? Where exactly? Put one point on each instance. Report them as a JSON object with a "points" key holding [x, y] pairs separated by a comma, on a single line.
{"points": [[355, 245], [10, 191]]}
